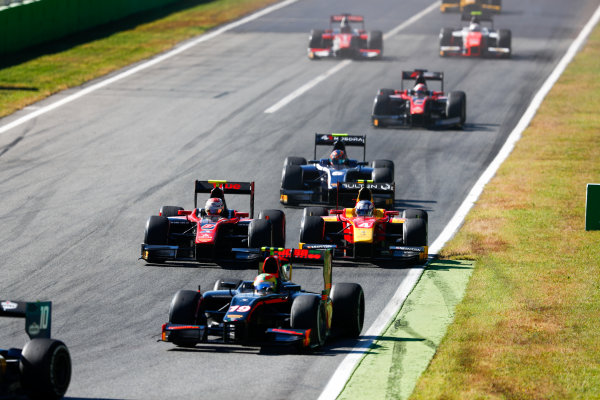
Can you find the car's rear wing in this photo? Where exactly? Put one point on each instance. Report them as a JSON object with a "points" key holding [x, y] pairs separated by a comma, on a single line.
{"points": [[376, 188], [349, 17], [37, 316], [227, 187], [481, 15], [328, 139], [422, 74]]}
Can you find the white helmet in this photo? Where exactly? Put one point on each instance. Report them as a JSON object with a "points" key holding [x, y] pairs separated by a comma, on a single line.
{"points": [[214, 206]]}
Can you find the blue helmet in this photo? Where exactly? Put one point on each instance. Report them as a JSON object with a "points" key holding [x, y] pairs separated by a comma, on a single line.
{"points": [[364, 208]]}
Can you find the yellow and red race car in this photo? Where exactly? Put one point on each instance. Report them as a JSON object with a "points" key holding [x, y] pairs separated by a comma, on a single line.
{"points": [[384, 235], [463, 5]]}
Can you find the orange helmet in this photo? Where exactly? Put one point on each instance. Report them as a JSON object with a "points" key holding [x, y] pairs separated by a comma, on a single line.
{"points": [[337, 158]]}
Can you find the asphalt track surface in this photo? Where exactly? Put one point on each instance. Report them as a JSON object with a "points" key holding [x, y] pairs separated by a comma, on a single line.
{"points": [[78, 183]]}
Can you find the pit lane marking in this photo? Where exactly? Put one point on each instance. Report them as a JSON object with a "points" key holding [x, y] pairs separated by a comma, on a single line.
{"points": [[314, 82]]}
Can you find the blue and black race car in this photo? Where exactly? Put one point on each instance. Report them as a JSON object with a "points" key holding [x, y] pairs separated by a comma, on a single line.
{"points": [[336, 180]]}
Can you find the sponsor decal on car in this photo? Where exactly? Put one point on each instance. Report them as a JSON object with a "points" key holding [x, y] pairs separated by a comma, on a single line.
{"points": [[9, 305], [33, 329]]}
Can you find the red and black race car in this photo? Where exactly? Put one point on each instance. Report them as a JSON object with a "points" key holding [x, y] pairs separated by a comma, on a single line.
{"points": [[281, 313], [419, 106], [476, 40], [42, 369], [344, 40], [384, 235], [194, 235]]}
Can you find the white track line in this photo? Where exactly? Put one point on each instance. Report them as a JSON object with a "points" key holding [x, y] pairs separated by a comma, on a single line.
{"points": [[165, 56], [314, 82], [344, 371]]}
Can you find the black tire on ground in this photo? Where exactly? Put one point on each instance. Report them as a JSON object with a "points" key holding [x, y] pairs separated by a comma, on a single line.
{"points": [[219, 283], [294, 161], [457, 107], [415, 213], [291, 177], [348, 309], [157, 232], [315, 40], [445, 38], [170, 211], [382, 175], [415, 232], [277, 218], [45, 367], [505, 40], [259, 234], [381, 106], [312, 229], [308, 313], [383, 164], [375, 41], [183, 307], [315, 211]]}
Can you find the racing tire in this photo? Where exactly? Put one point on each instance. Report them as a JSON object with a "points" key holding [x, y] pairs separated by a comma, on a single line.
{"points": [[277, 218], [445, 39], [375, 42], [382, 175], [308, 313], [259, 234], [157, 232], [505, 40], [312, 230], [456, 106], [291, 177], [219, 283], [415, 213], [315, 211], [348, 309], [183, 311], [294, 161], [383, 164], [414, 231], [170, 211], [315, 41], [45, 367], [381, 106]]}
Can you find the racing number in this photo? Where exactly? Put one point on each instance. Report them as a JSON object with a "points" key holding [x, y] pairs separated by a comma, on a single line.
{"points": [[241, 309], [44, 316]]}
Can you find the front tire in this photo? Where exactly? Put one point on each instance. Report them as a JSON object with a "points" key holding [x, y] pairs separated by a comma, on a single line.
{"points": [[307, 313], [157, 233], [45, 367], [414, 231], [170, 211], [312, 230], [457, 107]]}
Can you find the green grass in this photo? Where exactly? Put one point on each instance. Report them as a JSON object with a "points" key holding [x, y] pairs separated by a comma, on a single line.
{"points": [[528, 325], [33, 75]]}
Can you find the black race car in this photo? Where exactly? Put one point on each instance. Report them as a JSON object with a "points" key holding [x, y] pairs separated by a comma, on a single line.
{"points": [[237, 312], [42, 369], [336, 182]]}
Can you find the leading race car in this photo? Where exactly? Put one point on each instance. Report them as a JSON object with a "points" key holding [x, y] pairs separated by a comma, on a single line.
{"points": [[336, 180], [42, 369], [364, 232], [271, 310], [213, 233], [474, 39], [342, 40], [465, 5], [419, 106]]}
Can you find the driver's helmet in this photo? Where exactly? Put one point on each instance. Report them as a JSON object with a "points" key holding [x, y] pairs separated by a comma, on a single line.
{"points": [[420, 89], [345, 26], [214, 206], [474, 25], [265, 284], [364, 208], [337, 158]]}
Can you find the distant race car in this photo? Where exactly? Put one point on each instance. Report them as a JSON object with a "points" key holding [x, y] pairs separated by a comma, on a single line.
{"points": [[42, 369], [336, 181], [419, 106], [271, 310], [194, 235], [475, 40], [342, 40], [384, 235], [465, 5]]}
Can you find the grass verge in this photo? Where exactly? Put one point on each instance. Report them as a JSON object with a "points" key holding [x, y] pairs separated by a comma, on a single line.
{"points": [[528, 325], [38, 73]]}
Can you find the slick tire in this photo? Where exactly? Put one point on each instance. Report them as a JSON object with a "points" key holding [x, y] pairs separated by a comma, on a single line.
{"points": [[505, 40], [415, 213], [170, 211], [183, 311], [457, 107], [259, 234], [445, 39], [375, 41], [348, 309], [383, 164], [294, 161], [314, 211], [308, 313], [277, 219], [312, 229], [45, 368], [414, 231], [157, 232], [382, 175], [315, 40], [291, 177]]}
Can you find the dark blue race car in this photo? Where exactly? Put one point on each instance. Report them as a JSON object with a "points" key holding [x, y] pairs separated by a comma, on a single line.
{"points": [[335, 181]]}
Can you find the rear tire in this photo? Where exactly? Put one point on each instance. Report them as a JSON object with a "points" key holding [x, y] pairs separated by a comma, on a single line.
{"points": [[382, 175], [383, 164], [170, 211], [307, 313], [348, 309], [457, 107], [312, 229], [45, 368], [259, 234], [277, 219]]}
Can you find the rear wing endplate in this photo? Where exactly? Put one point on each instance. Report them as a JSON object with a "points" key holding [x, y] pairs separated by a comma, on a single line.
{"points": [[227, 187], [328, 139], [37, 316]]}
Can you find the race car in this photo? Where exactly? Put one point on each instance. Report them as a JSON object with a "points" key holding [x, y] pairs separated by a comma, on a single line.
{"points": [[342, 40], [42, 369], [271, 310], [204, 234], [465, 5], [419, 106], [336, 180], [375, 235], [474, 39]]}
